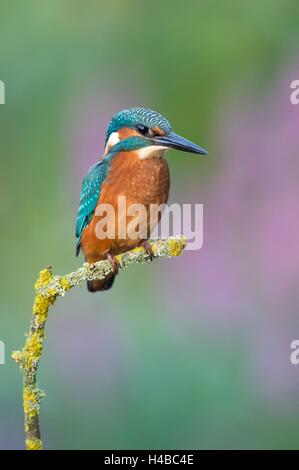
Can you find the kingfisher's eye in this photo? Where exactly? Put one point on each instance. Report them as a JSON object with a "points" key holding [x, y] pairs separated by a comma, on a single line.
{"points": [[146, 131]]}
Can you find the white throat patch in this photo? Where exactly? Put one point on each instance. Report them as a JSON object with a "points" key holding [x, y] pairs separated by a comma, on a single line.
{"points": [[113, 140], [151, 151]]}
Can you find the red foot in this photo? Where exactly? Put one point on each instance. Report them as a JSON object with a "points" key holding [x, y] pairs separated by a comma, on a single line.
{"points": [[148, 249], [114, 263]]}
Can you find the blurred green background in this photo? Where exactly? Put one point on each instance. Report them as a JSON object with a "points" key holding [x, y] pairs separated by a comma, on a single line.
{"points": [[188, 353]]}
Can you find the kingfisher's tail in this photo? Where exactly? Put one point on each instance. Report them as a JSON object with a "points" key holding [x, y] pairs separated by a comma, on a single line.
{"points": [[102, 284]]}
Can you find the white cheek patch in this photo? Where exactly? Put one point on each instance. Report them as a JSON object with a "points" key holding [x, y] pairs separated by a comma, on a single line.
{"points": [[151, 151], [113, 140]]}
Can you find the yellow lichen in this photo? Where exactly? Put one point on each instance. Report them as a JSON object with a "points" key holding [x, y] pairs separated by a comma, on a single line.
{"points": [[139, 249], [41, 305], [52, 292], [43, 278], [154, 249], [51, 295], [33, 349], [65, 283], [33, 344], [33, 444], [30, 403], [175, 247]]}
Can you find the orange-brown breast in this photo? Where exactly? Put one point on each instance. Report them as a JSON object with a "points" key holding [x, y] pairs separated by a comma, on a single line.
{"points": [[143, 182]]}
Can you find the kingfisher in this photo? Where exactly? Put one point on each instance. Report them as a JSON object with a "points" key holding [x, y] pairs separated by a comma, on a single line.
{"points": [[133, 167]]}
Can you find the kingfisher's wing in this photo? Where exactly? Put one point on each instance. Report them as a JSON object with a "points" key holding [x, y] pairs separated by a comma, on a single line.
{"points": [[89, 196]]}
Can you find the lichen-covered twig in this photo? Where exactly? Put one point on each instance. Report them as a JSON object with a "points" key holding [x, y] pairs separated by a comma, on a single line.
{"points": [[47, 289]]}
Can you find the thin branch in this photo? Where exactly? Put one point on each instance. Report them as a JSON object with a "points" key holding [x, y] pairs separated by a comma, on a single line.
{"points": [[47, 289]]}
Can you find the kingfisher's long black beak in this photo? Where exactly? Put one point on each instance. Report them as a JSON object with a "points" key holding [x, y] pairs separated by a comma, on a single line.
{"points": [[175, 141]]}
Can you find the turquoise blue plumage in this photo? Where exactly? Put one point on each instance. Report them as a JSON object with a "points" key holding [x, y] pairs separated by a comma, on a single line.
{"points": [[133, 116], [89, 196]]}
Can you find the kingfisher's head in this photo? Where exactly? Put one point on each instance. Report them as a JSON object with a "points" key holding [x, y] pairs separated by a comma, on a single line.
{"points": [[146, 132]]}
